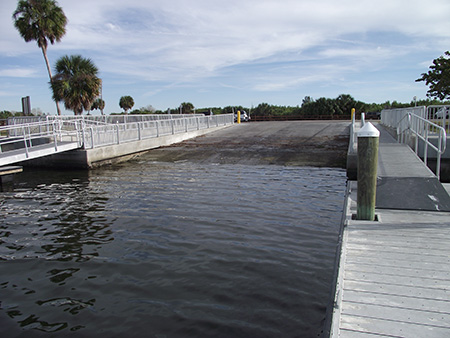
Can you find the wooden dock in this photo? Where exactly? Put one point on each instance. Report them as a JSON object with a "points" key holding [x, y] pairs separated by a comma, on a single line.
{"points": [[394, 274]]}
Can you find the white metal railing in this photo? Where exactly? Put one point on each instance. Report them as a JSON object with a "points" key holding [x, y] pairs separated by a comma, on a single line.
{"points": [[116, 129], [102, 119], [99, 135], [432, 135], [28, 135], [439, 115], [392, 117]]}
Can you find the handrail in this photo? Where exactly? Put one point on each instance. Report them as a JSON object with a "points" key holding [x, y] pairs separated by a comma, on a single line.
{"points": [[55, 131], [100, 135], [91, 134], [420, 127]]}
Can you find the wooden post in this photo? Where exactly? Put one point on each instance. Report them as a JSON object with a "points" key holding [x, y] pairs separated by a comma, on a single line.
{"points": [[368, 140]]}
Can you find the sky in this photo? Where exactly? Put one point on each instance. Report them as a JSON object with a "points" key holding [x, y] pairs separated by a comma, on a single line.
{"points": [[216, 53]]}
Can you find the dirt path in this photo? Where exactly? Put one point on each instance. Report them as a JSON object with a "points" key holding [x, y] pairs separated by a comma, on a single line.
{"points": [[293, 143]]}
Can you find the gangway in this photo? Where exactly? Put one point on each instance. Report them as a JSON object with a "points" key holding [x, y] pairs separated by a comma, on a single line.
{"points": [[33, 140]]}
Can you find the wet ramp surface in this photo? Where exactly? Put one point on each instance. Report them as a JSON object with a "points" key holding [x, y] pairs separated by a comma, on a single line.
{"points": [[292, 143]]}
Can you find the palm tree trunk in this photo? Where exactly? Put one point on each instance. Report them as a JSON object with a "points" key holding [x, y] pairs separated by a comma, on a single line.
{"points": [[44, 52]]}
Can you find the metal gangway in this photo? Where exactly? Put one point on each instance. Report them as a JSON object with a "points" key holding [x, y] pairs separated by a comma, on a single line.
{"points": [[424, 129], [26, 138], [26, 141]]}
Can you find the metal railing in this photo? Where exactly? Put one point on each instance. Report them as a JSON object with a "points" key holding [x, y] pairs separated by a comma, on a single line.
{"points": [[99, 135], [392, 117], [28, 135], [101, 119], [432, 135], [439, 115], [93, 133]]}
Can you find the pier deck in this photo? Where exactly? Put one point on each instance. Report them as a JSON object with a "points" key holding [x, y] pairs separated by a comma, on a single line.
{"points": [[394, 274]]}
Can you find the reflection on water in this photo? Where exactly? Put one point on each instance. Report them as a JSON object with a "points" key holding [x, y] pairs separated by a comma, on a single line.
{"points": [[169, 250]]}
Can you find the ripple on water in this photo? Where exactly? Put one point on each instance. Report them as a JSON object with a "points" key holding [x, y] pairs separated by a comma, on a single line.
{"points": [[170, 250]]}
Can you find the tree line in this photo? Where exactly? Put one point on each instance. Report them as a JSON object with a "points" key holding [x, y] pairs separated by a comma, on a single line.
{"points": [[322, 108]]}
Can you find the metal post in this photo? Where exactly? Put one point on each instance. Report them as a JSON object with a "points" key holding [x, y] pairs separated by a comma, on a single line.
{"points": [[368, 140], [353, 114], [92, 137], [25, 141]]}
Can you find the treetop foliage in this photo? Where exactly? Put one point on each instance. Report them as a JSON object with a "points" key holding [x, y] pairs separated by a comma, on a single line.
{"points": [[438, 78], [126, 102]]}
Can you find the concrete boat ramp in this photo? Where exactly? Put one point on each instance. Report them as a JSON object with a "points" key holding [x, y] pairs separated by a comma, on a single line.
{"points": [[394, 274]]}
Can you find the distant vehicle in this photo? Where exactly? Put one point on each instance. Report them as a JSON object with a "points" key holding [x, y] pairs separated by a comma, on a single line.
{"points": [[373, 115], [440, 113], [244, 117]]}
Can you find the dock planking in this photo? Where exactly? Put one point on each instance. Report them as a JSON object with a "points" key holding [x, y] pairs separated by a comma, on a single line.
{"points": [[394, 274]]}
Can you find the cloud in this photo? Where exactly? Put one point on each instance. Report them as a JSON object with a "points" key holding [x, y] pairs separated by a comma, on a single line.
{"points": [[19, 72], [263, 45], [190, 39]]}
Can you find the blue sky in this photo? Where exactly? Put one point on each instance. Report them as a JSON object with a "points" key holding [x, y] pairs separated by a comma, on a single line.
{"points": [[215, 53]]}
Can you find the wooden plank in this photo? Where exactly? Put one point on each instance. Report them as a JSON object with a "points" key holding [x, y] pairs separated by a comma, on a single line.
{"points": [[399, 314], [400, 301], [424, 265], [399, 289], [412, 250], [374, 277], [387, 271], [388, 328], [382, 256]]}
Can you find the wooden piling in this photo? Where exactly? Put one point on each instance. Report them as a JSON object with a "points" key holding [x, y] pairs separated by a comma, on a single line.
{"points": [[368, 141]]}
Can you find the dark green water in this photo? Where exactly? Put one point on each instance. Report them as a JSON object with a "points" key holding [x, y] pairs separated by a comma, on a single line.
{"points": [[148, 249]]}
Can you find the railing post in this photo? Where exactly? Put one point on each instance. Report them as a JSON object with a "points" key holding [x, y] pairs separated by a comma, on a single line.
{"points": [[25, 141], [118, 134], [442, 140], [139, 130], [368, 140], [55, 139], [173, 128], [157, 128], [92, 137], [425, 146]]}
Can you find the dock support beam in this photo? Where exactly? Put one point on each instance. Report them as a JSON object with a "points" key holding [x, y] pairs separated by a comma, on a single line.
{"points": [[7, 174], [368, 140]]}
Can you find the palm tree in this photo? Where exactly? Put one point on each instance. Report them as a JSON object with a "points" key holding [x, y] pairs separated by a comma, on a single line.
{"points": [[98, 104], [76, 83], [126, 103], [43, 21]]}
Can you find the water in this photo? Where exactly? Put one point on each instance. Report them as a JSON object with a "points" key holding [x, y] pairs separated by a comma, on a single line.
{"points": [[147, 249]]}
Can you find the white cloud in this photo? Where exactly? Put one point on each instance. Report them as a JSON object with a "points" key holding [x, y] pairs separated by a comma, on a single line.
{"points": [[162, 39], [18, 72]]}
